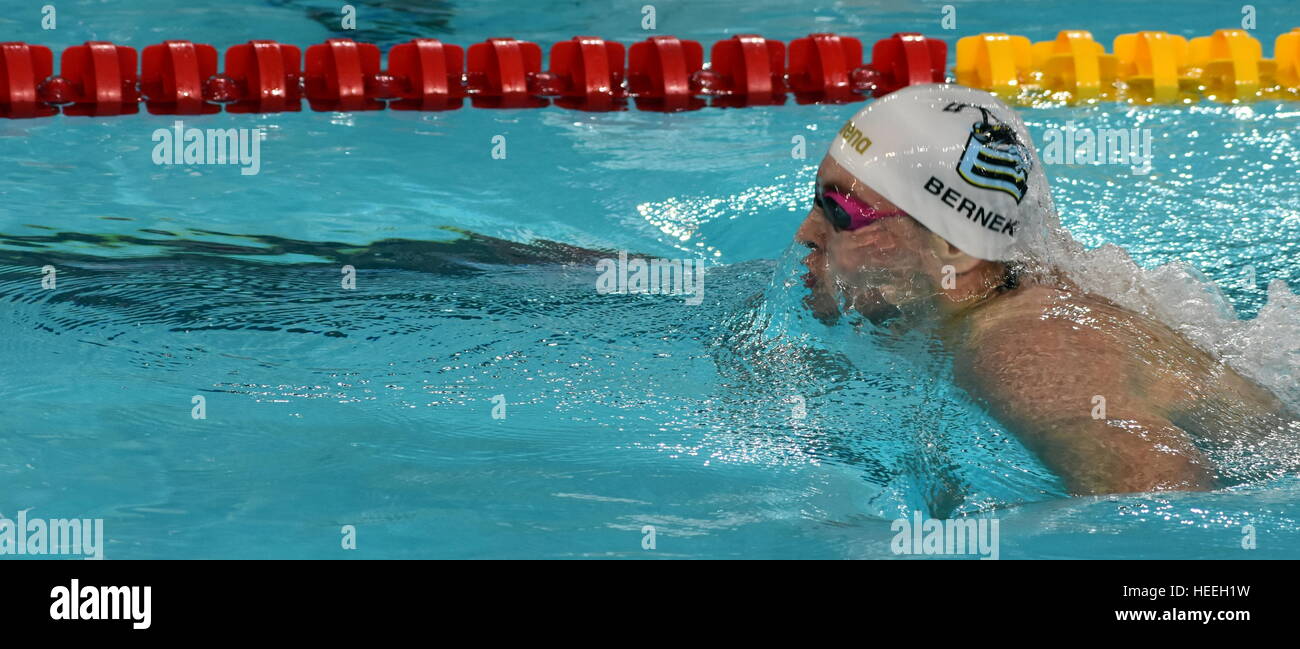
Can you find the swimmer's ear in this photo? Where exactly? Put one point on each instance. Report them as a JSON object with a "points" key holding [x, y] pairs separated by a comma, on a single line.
{"points": [[950, 255]]}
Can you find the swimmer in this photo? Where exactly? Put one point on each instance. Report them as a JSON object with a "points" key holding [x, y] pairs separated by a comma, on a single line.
{"points": [[931, 210]]}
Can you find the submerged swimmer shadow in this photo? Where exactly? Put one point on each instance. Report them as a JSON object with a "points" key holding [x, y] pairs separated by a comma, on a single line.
{"points": [[386, 22], [464, 255]]}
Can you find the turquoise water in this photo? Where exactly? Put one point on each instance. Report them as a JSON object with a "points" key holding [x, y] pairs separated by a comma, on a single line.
{"points": [[373, 407]]}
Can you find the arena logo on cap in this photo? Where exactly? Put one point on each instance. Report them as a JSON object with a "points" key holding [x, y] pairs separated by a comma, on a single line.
{"points": [[856, 139], [994, 157]]}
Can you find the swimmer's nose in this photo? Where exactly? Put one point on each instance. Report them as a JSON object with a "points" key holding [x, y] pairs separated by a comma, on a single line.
{"points": [[809, 234], [811, 261]]}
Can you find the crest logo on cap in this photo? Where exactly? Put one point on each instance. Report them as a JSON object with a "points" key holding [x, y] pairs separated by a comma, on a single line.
{"points": [[994, 157]]}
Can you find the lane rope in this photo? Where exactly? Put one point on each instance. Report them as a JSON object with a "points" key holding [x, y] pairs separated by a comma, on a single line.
{"points": [[661, 73]]}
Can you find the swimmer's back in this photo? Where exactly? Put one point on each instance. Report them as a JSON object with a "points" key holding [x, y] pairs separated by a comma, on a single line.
{"points": [[1071, 373]]}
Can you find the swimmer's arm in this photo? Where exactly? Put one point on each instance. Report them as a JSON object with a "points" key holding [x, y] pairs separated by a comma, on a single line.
{"points": [[1043, 385], [1124, 453]]}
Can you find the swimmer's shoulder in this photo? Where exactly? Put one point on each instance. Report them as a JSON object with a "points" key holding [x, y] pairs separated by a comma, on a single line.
{"points": [[1030, 342], [1015, 310], [1026, 354]]}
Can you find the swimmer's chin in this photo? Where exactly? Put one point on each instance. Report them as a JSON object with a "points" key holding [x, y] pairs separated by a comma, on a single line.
{"points": [[822, 307], [880, 314], [869, 304]]}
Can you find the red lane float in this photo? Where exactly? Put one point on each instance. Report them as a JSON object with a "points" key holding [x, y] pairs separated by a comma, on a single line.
{"points": [[660, 70], [426, 75], [906, 59], [22, 69], [822, 68], [748, 70], [588, 74], [499, 72], [99, 80], [336, 74], [261, 77], [172, 77]]}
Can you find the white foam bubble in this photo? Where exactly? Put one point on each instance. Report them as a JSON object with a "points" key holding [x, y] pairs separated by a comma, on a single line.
{"points": [[1266, 348]]}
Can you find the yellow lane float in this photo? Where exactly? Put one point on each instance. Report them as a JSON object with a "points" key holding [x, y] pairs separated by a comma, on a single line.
{"points": [[1076, 64], [1230, 65], [1286, 57], [998, 63], [1153, 65]]}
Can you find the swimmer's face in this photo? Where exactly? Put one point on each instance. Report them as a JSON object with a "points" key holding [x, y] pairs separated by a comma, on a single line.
{"points": [[876, 269]]}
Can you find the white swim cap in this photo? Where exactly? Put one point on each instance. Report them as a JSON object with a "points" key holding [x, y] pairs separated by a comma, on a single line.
{"points": [[956, 159]]}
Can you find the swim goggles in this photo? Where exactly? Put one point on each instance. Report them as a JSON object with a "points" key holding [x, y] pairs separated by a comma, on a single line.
{"points": [[846, 212]]}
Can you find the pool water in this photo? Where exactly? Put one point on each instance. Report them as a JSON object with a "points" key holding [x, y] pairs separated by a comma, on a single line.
{"points": [[738, 427]]}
